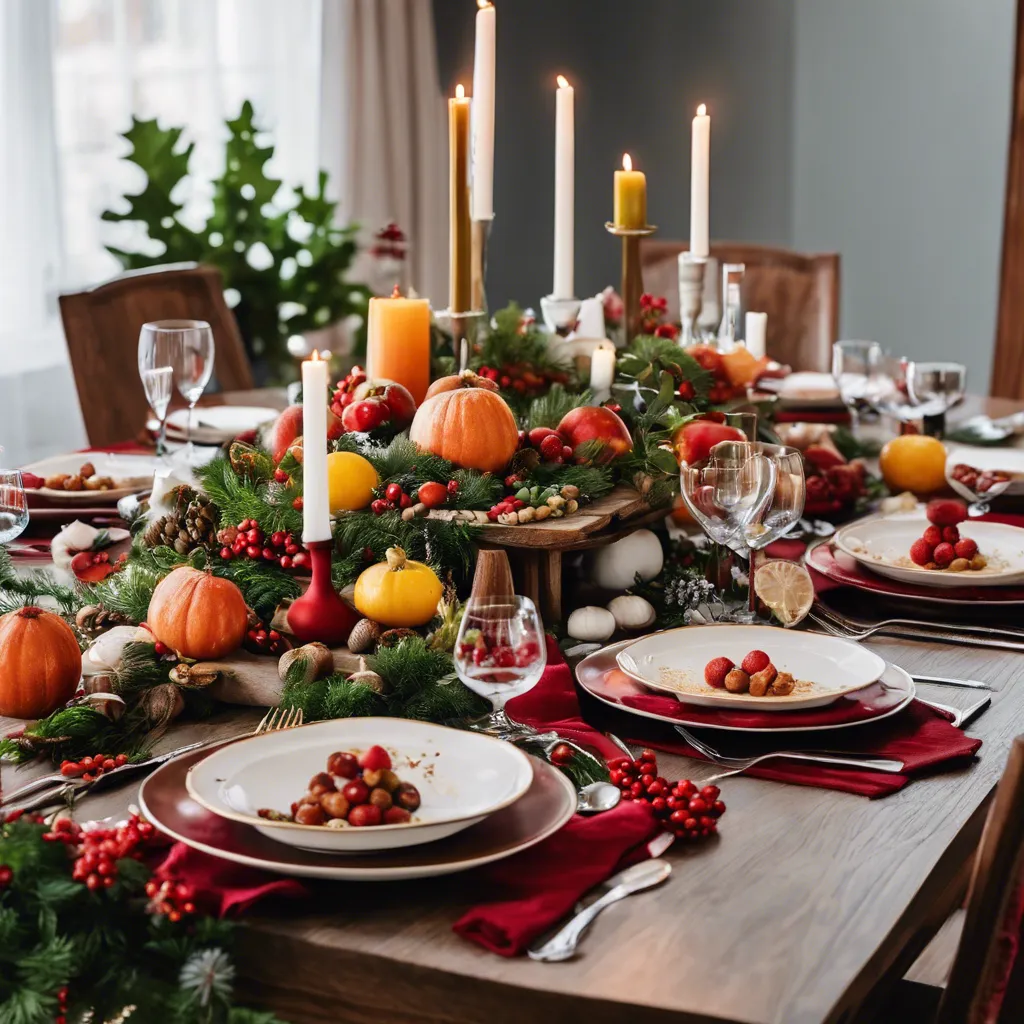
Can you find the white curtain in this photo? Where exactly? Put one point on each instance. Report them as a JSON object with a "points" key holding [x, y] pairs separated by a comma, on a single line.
{"points": [[383, 134]]}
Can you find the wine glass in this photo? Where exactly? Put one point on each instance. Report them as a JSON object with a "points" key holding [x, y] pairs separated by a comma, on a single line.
{"points": [[890, 395], [156, 368], [500, 653], [934, 388], [855, 369], [13, 505]]}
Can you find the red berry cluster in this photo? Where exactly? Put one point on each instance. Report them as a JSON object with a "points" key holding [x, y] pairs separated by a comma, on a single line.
{"points": [[62, 1006], [389, 241], [688, 812], [261, 640], [247, 540], [346, 390], [91, 768], [490, 652], [940, 544], [93, 566], [432, 494], [96, 851], [523, 378], [172, 899], [503, 506], [547, 442], [653, 309]]}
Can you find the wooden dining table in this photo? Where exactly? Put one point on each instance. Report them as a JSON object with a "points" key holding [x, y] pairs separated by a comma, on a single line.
{"points": [[807, 907]]}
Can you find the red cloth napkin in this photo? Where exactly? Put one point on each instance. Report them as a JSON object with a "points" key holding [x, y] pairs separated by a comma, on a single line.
{"points": [[552, 704], [840, 416], [541, 885]]}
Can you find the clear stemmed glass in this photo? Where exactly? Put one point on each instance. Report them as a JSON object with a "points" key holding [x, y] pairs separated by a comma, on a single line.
{"points": [[13, 505], [855, 371], [156, 368], [188, 348], [499, 654], [935, 388], [890, 395]]}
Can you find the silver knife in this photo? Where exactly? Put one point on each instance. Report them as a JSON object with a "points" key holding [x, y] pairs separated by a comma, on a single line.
{"points": [[972, 684], [562, 945]]}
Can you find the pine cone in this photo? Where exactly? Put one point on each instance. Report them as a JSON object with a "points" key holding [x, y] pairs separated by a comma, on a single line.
{"points": [[93, 619]]}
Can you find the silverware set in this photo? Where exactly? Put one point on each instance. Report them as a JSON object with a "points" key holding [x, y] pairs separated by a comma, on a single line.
{"points": [[835, 623]]}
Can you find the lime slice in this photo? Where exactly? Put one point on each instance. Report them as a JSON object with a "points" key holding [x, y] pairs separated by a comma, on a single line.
{"points": [[786, 588]]}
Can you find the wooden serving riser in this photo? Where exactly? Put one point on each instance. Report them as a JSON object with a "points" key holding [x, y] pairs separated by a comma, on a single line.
{"points": [[539, 547], [253, 678]]}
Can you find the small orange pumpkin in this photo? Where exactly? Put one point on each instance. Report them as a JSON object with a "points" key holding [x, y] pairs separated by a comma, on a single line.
{"points": [[465, 379], [470, 426], [40, 663], [197, 614]]}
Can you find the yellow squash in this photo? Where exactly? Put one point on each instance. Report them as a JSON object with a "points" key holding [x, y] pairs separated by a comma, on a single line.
{"points": [[398, 592]]}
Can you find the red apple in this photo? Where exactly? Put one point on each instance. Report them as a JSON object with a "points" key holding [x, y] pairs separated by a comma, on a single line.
{"points": [[283, 432], [596, 423], [365, 415], [395, 396], [694, 440]]}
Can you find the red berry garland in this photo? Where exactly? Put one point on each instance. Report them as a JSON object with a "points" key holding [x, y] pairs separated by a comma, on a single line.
{"points": [[247, 540], [90, 768], [686, 811]]}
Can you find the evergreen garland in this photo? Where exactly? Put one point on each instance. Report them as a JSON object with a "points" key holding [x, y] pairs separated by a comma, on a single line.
{"points": [[17, 591], [548, 410], [103, 947]]}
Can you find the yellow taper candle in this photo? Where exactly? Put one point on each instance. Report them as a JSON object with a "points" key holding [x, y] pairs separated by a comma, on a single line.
{"points": [[398, 342], [459, 234], [630, 196]]}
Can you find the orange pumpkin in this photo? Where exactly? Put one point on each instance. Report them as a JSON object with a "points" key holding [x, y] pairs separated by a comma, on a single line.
{"points": [[197, 614], [40, 663], [466, 379], [470, 426]]}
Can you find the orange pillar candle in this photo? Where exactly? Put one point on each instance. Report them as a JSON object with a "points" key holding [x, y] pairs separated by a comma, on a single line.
{"points": [[630, 196], [398, 343], [460, 232]]}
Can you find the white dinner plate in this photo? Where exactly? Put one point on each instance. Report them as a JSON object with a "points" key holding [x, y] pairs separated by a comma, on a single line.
{"points": [[462, 778], [882, 544], [215, 424], [599, 674], [826, 667], [129, 472]]}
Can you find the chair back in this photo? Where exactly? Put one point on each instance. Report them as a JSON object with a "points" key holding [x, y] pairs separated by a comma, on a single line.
{"points": [[800, 294], [986, 984], [102, 324]]}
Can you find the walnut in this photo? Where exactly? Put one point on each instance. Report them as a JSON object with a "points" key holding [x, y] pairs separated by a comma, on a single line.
{"points": [[737, 681], [87, 469], [761, 681], [783, 685]]}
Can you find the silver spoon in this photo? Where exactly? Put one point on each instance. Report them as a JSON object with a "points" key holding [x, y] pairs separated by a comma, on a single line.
{"points": [[598, 797]]}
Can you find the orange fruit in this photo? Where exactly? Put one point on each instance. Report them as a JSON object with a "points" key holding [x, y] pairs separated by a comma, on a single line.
{"points": [[914, 462]]}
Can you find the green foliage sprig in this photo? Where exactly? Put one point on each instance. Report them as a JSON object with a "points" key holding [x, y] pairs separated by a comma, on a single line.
{"points": [[296, 282], [17, 591]]}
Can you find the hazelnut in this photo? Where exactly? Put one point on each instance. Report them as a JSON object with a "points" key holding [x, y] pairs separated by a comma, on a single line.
{"points": [[526, 515], [571, 506], [783, 684], [406, 795], [87, 469], [310, 814], [380, 798], [569, 491], [381, 778], [959, 565], [408, 515], [321, 783], [979, 562], [334, 805], [737, 681], [541, 513], [761, 681]]}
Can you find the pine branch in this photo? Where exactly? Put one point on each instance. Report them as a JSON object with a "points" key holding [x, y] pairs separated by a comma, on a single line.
{"points": [[593, 481], [264, 585], [548, 410]]}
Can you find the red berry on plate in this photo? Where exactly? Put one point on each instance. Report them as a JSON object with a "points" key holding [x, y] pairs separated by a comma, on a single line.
{"points": [[943, 554], [716, 670], [562, 754], [755, 661], [396, 816], [950, 534], [933, 535], [356, 792], [364, 815], [374, 759], [966, 548], [946, 511], [921, 552], [710, 793]]}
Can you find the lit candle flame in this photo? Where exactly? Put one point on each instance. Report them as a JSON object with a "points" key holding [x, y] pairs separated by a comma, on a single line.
{"points": [[315, 357], [396, 294], [460, 92], [627, 162], [702, 110], [562, 82], [483, 3]]}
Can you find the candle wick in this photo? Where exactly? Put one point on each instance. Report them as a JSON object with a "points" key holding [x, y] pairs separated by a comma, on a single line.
{"points": [[396, 294]]}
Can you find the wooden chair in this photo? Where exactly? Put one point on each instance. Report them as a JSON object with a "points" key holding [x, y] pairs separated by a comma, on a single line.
{"points": [[986, 981], [800, 294], [102, 324]]}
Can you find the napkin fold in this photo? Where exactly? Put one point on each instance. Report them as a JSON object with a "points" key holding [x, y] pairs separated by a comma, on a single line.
{"points": [[541, 885]]}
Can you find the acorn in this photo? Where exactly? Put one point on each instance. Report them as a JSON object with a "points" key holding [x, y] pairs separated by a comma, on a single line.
{"points": [[194, 677], [315, 658], [366, 677], [364, 636]]}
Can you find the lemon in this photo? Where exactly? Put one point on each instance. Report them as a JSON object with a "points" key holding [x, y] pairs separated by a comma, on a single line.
{"points": [[350, 481], [786, 588], [914, 462]]}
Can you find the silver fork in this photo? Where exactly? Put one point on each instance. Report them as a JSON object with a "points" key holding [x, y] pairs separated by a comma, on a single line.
{"points": [[852, 622], [848, 631], [737, 765], [58, 786]]}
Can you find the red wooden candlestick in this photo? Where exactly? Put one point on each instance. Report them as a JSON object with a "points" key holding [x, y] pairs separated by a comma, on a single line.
{"points": [[320, 614]]}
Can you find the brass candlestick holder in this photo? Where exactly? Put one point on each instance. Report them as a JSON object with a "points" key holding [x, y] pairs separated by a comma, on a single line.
{"points": [[480, 233], [632, 276]]}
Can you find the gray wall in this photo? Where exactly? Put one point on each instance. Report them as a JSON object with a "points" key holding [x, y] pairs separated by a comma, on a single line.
{"points": [[639, 70], [902, 114]]}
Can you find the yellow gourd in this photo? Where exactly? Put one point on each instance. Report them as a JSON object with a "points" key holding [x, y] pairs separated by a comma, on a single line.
{"points": [[398, 592]]}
